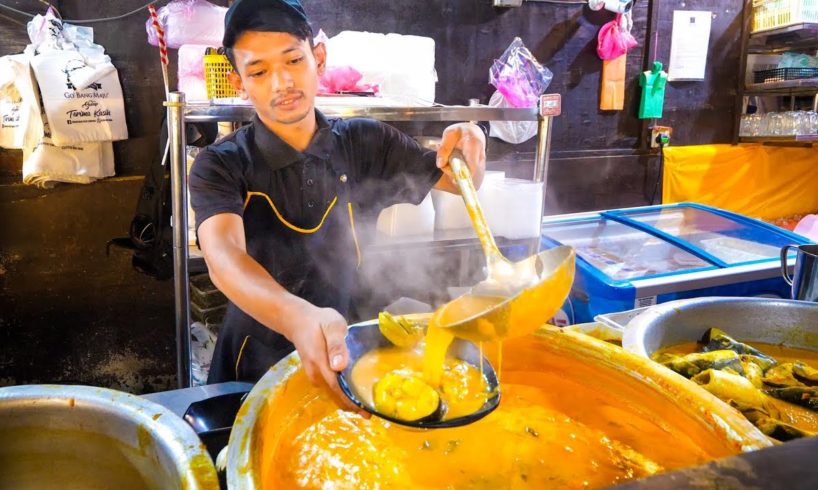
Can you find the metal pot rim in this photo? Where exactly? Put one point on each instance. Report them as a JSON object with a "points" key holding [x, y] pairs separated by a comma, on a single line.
{"points": [[191, 460], [635, 331]]}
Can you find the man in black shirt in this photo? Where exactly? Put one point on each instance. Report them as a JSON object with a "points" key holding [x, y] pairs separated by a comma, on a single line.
{"points": [[276, 200]]}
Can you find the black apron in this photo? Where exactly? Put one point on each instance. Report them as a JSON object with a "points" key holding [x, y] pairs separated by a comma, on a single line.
{"points": [[317, 264]]}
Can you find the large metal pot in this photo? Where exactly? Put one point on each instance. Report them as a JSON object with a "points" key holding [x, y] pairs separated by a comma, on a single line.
{"points": [[682, 407], [770, 321], [81, 437]]}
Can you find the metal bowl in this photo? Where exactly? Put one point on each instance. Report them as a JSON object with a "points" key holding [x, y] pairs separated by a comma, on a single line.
{"points": [[73, 437], [770, 321]]}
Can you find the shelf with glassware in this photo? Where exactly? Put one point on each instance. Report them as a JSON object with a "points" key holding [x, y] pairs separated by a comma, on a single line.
{"points": [[777, 105], [776, 96], [179, 113]]}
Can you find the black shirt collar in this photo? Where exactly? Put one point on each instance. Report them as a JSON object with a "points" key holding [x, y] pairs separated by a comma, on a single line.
{"points": [[278, 154]]}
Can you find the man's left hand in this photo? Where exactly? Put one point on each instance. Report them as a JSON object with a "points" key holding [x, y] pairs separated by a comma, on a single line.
{"points": [[471, 141]]}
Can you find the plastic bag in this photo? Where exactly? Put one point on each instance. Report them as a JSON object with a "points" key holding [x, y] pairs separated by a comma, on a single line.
{"points": [[343, 79], [615, 39], [808, 227], [190, 72], [510, 131], [519, 76], [76, 115], [188, 22], [45, 163], [19, 104]]}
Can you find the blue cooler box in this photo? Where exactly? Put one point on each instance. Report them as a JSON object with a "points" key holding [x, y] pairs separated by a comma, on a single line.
{"points": [[630, 258]]}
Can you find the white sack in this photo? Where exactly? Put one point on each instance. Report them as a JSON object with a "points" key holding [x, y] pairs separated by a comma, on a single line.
{"points": [[19, 104], [96, 113], [45, 163]]}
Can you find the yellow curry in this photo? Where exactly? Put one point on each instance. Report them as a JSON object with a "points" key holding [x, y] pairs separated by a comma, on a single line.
{"points": [[562, 423]]}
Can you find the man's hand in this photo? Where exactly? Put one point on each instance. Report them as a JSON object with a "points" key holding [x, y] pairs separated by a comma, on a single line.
{"points": [[471, 141], [318, 335]]}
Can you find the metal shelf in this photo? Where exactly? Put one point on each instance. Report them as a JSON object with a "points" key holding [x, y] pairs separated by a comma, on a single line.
{"points": [[801, 138], [240, 113], [186, 260], [795, 37], [802, 29], [805, 86]]}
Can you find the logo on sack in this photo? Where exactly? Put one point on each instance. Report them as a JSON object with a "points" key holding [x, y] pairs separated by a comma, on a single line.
{"points": [[12, 118], [90, 111], [72, 66]]}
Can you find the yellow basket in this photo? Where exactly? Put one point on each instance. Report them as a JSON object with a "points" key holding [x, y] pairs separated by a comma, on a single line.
{"points": [[772, 14], [216, 69]]}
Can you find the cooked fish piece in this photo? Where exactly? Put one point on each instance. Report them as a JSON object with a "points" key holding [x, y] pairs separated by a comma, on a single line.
{"points": [[762, 362], [805, 373], [771, 427], [715, 339], [806, 396], [690, 365], [781, 376], [736, 389], [753, 373], [400, 330]]}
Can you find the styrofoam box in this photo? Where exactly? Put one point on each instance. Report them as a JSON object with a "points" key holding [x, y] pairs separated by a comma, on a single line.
{"points": [[450, 211], [407, 219], [403, 66]]}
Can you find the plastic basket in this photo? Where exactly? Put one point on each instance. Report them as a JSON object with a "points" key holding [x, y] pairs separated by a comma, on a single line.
{"points": [[772, 14], [216, 69], [782, 74]]}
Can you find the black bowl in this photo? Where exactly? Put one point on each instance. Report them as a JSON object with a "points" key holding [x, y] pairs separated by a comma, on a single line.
{"points": [[364, 337]]}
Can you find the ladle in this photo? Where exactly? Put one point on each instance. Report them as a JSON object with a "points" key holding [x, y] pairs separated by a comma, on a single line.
{"points": [[516, 298], [367, 336]]}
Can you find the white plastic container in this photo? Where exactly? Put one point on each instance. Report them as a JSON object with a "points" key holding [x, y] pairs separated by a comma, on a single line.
{"points": [[407, 219], [450, 211], [513, 208]]}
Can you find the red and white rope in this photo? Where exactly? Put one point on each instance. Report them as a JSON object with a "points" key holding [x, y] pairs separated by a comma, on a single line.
{"points": [[163, 47]]}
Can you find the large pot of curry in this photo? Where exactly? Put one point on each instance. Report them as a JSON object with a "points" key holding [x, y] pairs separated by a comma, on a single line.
{"points": [[576, 412]]}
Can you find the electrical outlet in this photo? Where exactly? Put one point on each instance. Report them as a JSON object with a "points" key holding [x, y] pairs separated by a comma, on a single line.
{"points": [[660, 134]]}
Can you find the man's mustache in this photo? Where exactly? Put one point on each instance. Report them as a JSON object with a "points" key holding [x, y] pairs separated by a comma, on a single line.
{"points": [[290, 94]]}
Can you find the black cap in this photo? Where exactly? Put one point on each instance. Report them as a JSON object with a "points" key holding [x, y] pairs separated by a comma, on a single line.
{"points": [[242, 10]]}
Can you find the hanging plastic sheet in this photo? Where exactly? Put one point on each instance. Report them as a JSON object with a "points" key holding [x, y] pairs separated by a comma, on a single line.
{"points": [[759, 181]]}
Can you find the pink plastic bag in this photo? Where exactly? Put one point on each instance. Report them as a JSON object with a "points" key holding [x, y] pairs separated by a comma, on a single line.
{"points": [[808, 227], [614, 40], [189, 22], [343, 79]]}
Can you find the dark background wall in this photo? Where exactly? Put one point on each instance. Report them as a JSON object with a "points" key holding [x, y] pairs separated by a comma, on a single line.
{"points": [[69, 313]]}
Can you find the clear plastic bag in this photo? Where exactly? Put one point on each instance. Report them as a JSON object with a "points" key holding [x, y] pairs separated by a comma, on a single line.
{"points": [[519, 76], [510, 131], [188, 22]]}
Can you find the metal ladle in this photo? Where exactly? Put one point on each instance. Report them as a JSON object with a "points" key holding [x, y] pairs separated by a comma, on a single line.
{"points": [[516, 298]]}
